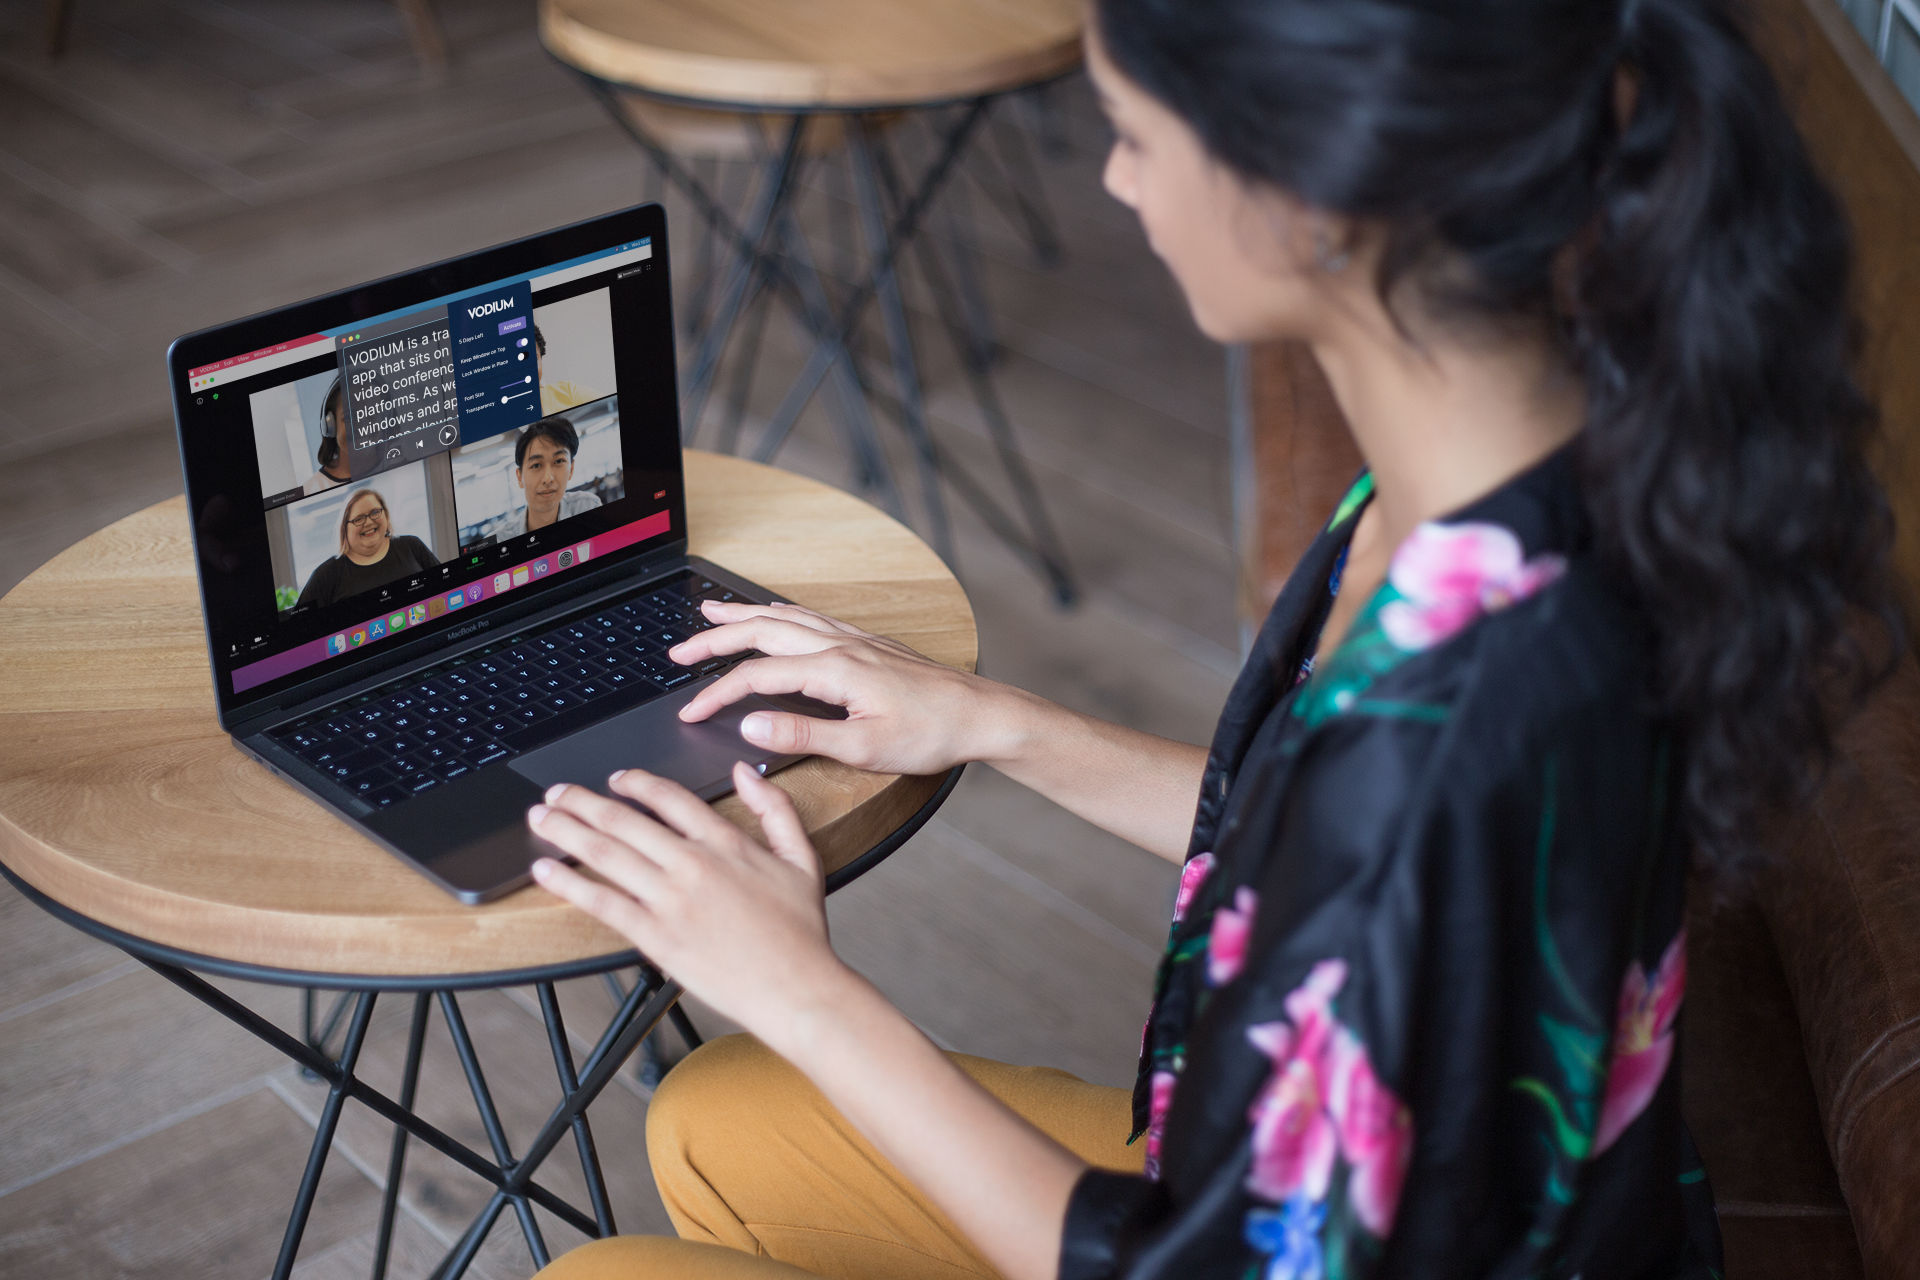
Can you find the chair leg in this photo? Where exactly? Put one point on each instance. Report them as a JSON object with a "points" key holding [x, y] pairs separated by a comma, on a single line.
{"points": [[54, 21], [424, 32]]}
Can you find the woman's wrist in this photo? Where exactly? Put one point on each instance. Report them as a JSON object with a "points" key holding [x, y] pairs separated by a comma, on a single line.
{"points": [[1013, 726], [825, 1005]]}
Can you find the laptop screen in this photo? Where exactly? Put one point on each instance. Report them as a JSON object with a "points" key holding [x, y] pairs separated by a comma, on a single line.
{"points": [[398, 463]]}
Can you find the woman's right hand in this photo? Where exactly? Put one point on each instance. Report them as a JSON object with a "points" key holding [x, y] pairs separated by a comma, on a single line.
{"points": [[905, 712]]}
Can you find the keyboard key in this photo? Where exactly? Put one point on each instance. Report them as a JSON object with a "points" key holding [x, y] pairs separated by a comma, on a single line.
{"points": [[489, 753], [346, 766], [674, 679], [422, 781], [452, 769], [375, 779], [392, 793], [505, 724], [532, 713]]}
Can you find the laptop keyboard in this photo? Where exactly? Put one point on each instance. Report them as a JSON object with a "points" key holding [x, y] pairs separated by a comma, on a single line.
{"points": [[433, 726]]}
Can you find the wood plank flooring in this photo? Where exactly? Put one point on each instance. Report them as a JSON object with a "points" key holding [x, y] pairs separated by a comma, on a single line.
{"points": [[190, 161]]}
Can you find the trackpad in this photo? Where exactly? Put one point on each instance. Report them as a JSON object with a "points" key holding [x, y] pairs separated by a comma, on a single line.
{"points": [[653, 737]]}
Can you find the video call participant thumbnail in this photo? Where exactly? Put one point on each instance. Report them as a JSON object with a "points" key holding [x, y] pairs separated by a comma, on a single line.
{"points": [[543, 468], [370, 554], [332, 455]]}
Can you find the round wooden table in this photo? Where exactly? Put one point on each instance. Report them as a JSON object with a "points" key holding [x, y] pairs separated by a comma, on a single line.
{"points": [[126, 810], [122, 799], [813, 55]]}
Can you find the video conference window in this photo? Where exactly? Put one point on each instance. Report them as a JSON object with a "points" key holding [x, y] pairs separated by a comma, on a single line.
{"points": [[361, 536], [457, 426], [522, 482]]}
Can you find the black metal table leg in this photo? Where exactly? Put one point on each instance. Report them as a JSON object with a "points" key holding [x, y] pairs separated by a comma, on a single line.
{"points": [[582, 1132], [397, 1160], [1039, 544], [893, 316], [323, 1136], [905, 226]]}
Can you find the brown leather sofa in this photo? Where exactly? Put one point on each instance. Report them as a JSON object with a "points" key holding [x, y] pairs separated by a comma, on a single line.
{"points": [[1801, 1041]]}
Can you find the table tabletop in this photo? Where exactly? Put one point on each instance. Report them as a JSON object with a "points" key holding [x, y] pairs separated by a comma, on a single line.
{"points": [[122, 799], [816, 54]]}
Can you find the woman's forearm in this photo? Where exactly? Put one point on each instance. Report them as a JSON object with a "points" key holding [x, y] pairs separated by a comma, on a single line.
{"points": [[1141, 787], [1002, 1182]]}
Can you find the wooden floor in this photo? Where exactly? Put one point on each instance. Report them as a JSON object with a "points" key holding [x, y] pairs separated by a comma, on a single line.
{"points": [[190, 161]]}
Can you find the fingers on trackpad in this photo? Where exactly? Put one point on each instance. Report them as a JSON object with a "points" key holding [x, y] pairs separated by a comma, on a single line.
{"points": [[653, 737]]}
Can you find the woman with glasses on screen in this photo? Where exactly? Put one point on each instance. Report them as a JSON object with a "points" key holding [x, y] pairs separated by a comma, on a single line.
{"points": [[370, 554]]}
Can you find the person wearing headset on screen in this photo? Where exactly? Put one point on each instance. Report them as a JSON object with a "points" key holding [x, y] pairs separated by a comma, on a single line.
{"points": [[332, 455], [370, 555], [554, 396], [543, 459]]}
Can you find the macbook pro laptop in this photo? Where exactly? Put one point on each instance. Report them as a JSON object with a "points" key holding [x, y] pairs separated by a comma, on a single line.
{"points": [[441, 532]]}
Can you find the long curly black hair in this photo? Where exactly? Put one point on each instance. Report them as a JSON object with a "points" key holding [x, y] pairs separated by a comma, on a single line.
{"points": [[1695, 266]]}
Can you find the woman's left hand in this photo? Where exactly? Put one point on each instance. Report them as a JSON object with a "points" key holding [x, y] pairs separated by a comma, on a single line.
{"points": [[742, 927]]}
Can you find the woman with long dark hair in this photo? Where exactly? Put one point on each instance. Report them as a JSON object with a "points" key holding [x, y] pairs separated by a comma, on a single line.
{"points": [[1616, 570]]}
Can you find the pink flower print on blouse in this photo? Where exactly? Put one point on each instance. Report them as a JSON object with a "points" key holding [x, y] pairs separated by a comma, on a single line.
{"points": [[1323, 1100], [1642, 1040], [1293, 1139], [1227, 943], [1192, 876], [1448, 575], [1376, 1133], [1163, 1082]]}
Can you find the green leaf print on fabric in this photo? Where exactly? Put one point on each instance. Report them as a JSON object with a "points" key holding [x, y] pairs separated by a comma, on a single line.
{"points": [[1356, 498], [1364, 656], [1577, 1037]]}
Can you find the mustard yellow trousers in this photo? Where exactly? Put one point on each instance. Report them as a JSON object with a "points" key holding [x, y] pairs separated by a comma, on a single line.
{"points": [[764, 1180]]}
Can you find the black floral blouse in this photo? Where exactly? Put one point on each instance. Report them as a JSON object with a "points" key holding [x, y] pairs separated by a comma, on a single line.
{"points": [[1417, 1010]]}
